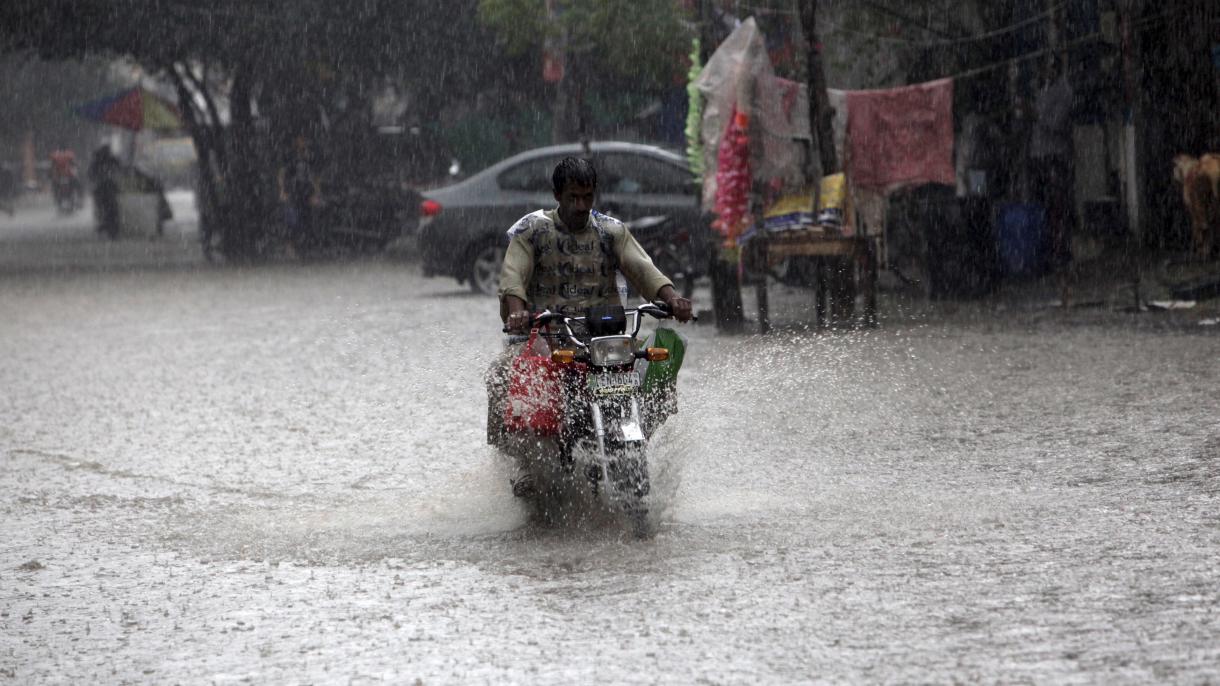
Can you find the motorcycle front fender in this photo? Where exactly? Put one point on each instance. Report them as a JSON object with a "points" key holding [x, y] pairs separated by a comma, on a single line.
{"points": [[620, 420]]}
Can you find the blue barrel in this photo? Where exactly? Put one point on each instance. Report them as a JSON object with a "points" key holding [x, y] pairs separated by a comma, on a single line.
{"points": [[1020, 227]]}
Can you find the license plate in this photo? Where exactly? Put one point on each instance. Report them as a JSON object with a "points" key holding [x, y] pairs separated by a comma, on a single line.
{"points": [[632, 431], [614, 382]]}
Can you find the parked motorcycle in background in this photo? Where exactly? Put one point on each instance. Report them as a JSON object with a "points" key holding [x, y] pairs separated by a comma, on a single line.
{"points": [[675, 250], [355, 219], [66, 186], [67, 192]]}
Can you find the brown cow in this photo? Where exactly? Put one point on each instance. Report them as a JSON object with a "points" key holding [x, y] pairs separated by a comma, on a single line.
{"points": [[1200, 179]]}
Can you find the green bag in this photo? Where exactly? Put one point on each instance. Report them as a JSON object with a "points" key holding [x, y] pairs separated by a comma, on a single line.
{"points": [[664, 373]]}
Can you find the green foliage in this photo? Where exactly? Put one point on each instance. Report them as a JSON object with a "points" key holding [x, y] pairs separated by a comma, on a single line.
{"points": [[482, 139], [643, 41], [694, 113], [39, 96], [432, 46], [639, 39], [519, 24]]}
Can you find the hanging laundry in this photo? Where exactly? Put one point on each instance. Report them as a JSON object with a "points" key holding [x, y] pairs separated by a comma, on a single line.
{"points": [[901, 136]]}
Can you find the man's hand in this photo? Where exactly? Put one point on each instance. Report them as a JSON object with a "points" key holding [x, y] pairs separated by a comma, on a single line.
{"points": [[515, 313], [681, 307], [518, 322]]}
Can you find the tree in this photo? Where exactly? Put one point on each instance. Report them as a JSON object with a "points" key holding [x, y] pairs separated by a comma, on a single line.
{"points": [[250, 73], [625, 45], [38, 99]]}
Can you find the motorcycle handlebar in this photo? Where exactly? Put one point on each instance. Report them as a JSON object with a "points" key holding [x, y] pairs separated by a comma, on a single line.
{"points": [[658, 309], [666, 311], [538, 320]]}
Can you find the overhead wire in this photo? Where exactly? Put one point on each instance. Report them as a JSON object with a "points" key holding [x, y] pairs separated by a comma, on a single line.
{"points": [[1136, 25], [953, 41], [920, 43]]}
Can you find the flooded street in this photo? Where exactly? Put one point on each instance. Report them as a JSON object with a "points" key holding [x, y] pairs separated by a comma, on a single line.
{"points": [[279, 475]]}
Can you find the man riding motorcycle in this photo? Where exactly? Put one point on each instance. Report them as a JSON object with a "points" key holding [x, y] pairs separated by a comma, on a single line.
{"points": [[566, 260]]}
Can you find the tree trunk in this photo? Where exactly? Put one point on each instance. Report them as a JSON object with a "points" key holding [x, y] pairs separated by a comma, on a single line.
{"points": [[233, 202], [246, 202], [209, 214]]}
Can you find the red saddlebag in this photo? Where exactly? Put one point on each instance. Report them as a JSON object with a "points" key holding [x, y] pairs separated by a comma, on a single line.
{"points": [[534, 392]]}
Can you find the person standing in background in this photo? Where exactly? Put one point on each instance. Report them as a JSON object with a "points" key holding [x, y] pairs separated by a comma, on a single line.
{"points": [[1052, 167]]}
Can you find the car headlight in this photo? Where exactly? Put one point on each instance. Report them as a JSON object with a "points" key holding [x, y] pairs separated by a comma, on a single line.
{"points": [[611, 351]]}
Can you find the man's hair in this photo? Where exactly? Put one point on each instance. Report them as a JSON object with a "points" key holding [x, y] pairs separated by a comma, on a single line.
{"points": [[573, 170]]}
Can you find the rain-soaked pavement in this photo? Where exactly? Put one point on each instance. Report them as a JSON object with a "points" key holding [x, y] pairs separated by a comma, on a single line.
{"points": [[278, 475]]}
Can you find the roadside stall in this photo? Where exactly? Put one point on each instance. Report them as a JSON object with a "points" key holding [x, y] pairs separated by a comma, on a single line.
{"points": [[139, 197], [814, 244], [761, 180], [777, 213]]}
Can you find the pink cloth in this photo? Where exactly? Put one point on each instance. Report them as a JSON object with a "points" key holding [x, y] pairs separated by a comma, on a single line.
{"points": [[901, 136]]}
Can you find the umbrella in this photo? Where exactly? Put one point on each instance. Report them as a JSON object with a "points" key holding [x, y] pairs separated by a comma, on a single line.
{"points": [[135, 109]]}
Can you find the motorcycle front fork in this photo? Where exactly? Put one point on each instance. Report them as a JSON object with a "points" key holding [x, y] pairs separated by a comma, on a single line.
{"points": [[597, 471]]}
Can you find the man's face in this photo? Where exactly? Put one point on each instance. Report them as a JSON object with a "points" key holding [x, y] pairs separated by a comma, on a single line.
{"points": [[575, 202]]}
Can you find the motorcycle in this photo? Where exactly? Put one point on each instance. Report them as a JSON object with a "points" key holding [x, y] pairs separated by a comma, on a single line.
{"points": [[676, 251], [355, 218], [609, 408], [67, 192]]}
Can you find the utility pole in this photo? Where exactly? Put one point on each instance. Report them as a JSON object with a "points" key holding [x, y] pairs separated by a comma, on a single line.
{"points": [[1133, 128], [834, 273], [821, 118]]}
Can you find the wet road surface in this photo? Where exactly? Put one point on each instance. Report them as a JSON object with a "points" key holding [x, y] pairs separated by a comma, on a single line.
{"points": [[219, 475]]}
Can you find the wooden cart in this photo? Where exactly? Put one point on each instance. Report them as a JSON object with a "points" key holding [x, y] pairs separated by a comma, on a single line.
{"points": [[764, 252]]}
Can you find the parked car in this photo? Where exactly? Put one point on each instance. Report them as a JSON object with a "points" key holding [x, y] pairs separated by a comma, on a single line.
{"points": [[463, 227]]}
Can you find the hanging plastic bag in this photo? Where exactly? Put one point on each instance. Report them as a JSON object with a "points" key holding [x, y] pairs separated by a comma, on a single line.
{"points": [[660, 385], [534, 391], [658, 374]]}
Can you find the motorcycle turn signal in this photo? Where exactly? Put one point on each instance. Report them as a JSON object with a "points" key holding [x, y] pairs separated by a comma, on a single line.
{"points": [[563, 356], [654, 354]]}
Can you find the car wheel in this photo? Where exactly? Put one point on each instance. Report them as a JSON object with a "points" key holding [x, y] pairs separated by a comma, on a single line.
{"points": [[485, 264]]}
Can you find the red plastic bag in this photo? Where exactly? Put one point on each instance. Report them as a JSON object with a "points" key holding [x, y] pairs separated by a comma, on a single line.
{"points": [[534, 391]]}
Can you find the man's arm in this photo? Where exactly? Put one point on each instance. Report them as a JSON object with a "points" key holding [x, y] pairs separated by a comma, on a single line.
{"points": [[514, 277], [637, 266]]}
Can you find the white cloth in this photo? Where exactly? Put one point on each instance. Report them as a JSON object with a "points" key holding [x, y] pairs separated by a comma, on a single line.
{"points": [[739, 74]]}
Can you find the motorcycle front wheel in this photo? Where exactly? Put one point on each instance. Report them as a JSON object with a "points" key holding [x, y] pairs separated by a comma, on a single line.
{"points": [[629, 478]]}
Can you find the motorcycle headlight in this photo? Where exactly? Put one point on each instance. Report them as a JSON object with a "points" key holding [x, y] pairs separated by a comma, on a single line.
{"points": [[611, 351]]}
